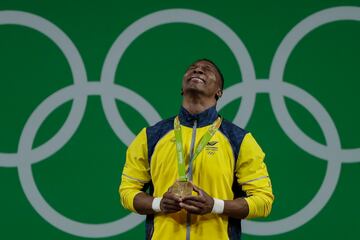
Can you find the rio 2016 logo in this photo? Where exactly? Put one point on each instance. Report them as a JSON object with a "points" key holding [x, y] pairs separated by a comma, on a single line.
{"points": [[109, 92]]}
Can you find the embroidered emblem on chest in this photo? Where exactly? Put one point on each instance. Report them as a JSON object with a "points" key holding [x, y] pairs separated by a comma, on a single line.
{"points": [[211, 147]]}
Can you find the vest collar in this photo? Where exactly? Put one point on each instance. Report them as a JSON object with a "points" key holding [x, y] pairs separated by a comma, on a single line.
{"points": [[204, 118]]}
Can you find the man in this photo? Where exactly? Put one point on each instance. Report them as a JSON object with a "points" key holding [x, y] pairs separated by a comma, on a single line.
{"points": [[228, 176]]}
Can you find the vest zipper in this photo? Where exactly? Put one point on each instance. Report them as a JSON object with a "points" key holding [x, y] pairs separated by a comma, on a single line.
{"points": [[192, 144], [191, 154]]}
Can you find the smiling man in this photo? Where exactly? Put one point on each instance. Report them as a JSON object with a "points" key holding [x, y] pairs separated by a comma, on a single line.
{"points": [[204, 174]]}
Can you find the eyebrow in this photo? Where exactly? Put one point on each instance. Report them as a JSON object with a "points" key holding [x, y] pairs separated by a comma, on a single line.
{"points": [[207, 66]]}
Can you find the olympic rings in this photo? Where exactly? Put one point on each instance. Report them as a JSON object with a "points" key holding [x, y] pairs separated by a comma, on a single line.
{"points": [[109, 91], [78, 71]]}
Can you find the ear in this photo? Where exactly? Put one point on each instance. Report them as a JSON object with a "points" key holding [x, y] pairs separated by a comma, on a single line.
{"points": [[219, 93]]}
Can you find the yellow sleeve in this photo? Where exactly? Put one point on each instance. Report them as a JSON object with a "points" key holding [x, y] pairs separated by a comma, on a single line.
{"points": [[136, 171], [252, 175]]}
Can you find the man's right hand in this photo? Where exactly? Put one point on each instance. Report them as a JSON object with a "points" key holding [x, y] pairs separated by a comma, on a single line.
{"points": [[170, 203]]}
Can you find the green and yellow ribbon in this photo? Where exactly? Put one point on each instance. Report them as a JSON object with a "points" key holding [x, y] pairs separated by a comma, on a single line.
{"points": [[179, 145]]}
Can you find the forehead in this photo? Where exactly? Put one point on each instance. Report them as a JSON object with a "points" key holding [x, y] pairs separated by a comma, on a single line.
{"points": [[203, 63]]}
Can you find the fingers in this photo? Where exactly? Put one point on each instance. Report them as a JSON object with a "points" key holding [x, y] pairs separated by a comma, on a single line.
{"points": [[200, 204], [170, 202], [196, 189], [172, 196], [194, 198], [191, 208], [194, 203], [169, 206]]}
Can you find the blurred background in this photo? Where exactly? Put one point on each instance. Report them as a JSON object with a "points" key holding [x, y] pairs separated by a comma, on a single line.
{"points": [[63, 142]]}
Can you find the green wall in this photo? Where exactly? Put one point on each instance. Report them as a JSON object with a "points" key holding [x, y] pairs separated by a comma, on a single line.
{"points": [[63, 142]]}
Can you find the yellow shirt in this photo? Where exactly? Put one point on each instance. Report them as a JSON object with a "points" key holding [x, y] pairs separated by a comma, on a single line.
{"points": [[231, 158]]}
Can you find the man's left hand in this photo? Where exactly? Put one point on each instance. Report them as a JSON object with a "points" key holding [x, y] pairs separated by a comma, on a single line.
{"points": [[201, 204]]}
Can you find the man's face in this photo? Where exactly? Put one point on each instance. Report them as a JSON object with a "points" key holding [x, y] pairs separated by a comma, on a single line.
{"points": [[202, 77]]}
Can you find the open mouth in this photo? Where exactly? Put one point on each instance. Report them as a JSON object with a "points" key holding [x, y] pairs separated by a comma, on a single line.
{"points": [[197, 79]]}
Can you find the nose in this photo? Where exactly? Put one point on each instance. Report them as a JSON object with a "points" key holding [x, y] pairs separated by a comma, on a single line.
{"points": [[198, 70]]}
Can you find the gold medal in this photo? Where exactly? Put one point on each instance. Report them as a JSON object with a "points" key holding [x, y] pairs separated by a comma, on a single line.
{"points": [[182, 188]]}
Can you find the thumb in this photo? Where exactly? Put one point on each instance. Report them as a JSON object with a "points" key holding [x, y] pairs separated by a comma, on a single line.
{"points": [[198, 190]]}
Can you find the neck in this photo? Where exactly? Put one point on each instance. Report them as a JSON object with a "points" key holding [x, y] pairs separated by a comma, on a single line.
{"points": [[196, 104]]}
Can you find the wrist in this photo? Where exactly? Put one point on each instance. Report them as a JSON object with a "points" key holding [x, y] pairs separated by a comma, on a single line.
{"points": [[155, 205], [218, 207]]}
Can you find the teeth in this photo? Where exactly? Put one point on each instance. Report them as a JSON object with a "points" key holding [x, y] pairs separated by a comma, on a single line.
{"points": [[198, 79]]}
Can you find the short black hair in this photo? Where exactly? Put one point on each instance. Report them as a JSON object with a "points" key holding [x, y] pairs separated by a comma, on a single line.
{"points": [[217, 69]]}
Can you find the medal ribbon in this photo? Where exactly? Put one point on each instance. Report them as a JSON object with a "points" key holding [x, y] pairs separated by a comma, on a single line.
{"points": [[203, 141]]}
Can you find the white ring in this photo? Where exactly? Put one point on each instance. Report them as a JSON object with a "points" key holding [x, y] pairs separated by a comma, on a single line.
{"points": [[332, 173], [276, 75], [279, 89], [78, 71], [165, 17], [26, 176]]}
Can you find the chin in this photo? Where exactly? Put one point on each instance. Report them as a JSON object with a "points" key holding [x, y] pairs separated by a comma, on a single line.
{"points": [[194, 90]]}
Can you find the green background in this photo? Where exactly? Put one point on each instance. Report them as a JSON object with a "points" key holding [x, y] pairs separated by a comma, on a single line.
{"points": [[81, 179]]}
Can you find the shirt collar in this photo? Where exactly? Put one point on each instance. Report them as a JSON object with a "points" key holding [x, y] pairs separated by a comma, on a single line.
{"points": [[204, 118]]}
